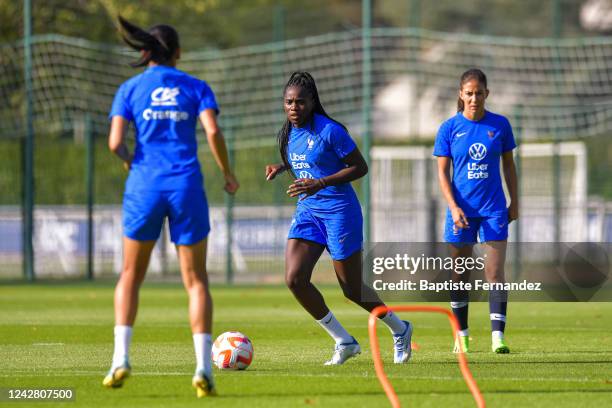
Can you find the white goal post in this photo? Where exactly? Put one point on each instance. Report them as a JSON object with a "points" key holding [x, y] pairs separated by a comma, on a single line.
{"points": [[405, 188]]}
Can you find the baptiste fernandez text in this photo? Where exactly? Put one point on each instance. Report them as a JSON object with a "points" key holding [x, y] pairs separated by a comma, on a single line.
{"points": [[479, 284]]}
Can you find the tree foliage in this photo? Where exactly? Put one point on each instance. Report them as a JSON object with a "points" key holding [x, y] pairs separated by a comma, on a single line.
{"points": [[231, 23]]}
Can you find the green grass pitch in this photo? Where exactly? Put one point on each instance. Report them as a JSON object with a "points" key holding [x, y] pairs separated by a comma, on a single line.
{"points": [[61, 336]]}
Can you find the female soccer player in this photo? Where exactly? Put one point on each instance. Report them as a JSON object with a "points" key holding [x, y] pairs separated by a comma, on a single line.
{"points": [[324, 159], [164, 181], [474, 140]]}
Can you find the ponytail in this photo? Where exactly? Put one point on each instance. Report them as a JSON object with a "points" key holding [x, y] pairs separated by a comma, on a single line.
{"points": [[460, 105], [161, 42]]}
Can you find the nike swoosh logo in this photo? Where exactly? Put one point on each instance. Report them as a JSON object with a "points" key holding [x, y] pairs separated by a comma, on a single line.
{"points": [[327, 322], [460, 134]]}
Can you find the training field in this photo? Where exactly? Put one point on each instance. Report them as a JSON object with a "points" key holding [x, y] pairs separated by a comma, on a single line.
{"points": [[61, 336]]}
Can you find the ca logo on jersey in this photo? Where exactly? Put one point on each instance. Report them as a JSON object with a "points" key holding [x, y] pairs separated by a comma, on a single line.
{"points": [[164, 96], [477, 151]]}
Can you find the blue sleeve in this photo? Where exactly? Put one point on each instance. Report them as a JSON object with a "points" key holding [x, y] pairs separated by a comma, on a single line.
{"points": [[207, 99], [121, 106], [340, 141], [442, 146], [508, 142]]}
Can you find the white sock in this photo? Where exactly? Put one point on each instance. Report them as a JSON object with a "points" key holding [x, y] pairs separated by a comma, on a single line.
{"points": [[464, 333], [394, 323], [202, 342], [123, 338], [333, 327], [497, 335]]}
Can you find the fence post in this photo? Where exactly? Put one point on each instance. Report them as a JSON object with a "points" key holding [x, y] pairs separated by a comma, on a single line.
{"points": [[414, 22], [278, 82], [89, 182], [278, 29], [229, 208], [516, 268], [414, 16], [366, 108], [28, 151], [556, 160]]}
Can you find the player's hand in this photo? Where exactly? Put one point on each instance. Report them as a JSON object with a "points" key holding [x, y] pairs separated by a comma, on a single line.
{"points": [[231, 184], [273, 169], [513, 212], [305, 186], [459, 218], [127, 164]]}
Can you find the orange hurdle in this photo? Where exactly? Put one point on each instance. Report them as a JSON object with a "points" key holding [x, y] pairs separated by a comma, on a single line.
{"points": [[378, 364]]}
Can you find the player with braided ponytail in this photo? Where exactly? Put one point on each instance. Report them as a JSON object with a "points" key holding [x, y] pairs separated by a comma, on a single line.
{"points": [[324, 160]]}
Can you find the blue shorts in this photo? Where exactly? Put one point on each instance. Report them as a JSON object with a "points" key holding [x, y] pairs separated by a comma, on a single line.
{"points": [[341, 234], [187, 212], [493, 227]]}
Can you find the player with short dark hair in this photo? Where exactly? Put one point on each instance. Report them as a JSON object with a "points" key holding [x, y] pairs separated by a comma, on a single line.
{"points": [[324, 160], [165, 181], [474, 141]]}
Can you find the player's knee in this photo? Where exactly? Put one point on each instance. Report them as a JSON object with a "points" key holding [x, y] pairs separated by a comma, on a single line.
{"points": [[195, 280], [495, 275], [351, 293], [131, 277], [295, 282], [197, 283]]}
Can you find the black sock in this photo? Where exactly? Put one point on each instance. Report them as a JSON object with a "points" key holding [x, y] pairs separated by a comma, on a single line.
{"points": [[498, 306], [459, 305]]}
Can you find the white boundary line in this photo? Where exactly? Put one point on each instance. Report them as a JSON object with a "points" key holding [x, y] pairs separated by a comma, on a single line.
{"points": [[336, 375]]}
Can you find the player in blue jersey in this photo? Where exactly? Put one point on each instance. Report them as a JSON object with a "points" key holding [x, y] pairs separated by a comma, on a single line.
{"points": [[474, 141], [324, 160], [165, 181]]}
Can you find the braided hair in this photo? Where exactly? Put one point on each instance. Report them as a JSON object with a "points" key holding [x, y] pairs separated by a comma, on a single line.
{"points": [[161, 40], [304, 80], [473, 73]]}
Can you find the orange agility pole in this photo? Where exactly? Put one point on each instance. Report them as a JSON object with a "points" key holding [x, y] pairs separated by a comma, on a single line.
{"points": [[378, 364]]}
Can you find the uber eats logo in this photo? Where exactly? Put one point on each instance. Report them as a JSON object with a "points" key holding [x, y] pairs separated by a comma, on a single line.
{"points": [[477, 152], [298, 162]]}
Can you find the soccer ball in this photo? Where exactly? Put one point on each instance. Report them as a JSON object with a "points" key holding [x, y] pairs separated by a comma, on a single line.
{"points": [[232, 351]]}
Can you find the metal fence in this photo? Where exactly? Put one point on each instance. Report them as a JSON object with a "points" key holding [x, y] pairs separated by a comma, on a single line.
{"points": [[387, 85]]}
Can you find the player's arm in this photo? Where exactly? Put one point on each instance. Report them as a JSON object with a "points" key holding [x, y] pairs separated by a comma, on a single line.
{"points": [[444, 178], [356, 167], [116, 140], [512, 184], [208, 118]]}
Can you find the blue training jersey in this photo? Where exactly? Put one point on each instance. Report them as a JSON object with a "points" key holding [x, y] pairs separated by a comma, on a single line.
{"points": [[164, 103], [476, 148], [316, 150]]}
